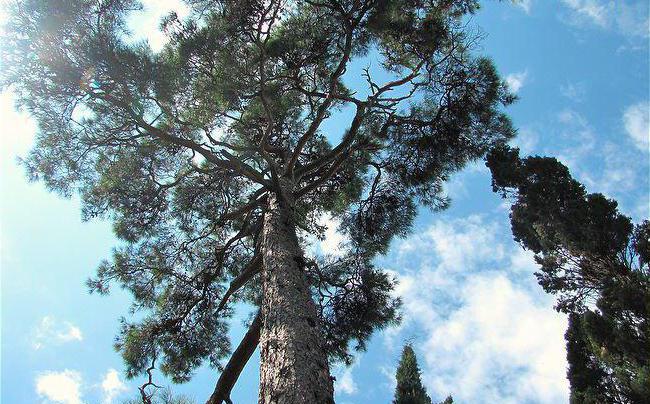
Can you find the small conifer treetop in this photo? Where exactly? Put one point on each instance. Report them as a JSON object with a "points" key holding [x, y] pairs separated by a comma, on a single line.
{"points": [[409, 389]]}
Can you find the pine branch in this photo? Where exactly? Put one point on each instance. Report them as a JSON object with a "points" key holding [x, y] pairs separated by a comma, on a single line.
{"points": [[236, 364]]}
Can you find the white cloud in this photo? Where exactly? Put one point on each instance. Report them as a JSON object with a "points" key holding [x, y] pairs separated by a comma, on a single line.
{"points": [[516, 81], [627, 17], [635, 119], [344, 382], [433, 260], [145, 25], [456, 244], [50, 330], [523, 261], [455, 187], [573, 91], [526, 5], [60, 387], [526, 140], [112, 386], [65, 387], [331, 244], [500, 345], [490, 333]]}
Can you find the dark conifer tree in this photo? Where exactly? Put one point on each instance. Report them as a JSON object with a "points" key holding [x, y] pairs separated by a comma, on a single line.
{"points": [[587, 377], [409, 388], [211, 159], [596, 261]]}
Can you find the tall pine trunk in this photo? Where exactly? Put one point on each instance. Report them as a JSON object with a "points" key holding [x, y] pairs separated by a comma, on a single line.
{"points": [[294, 367]]}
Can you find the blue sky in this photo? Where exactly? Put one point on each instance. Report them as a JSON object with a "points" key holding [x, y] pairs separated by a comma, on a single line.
{"points": [[481, 326]]}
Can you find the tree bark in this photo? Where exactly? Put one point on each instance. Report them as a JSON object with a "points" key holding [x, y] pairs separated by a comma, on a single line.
{"points": [[294, 367]]}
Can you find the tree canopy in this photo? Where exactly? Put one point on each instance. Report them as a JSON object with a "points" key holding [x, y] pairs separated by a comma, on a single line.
{"points": [[184, 148], [596, 261]]}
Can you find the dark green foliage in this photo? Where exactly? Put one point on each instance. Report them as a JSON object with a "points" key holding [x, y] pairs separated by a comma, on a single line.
{"points": [[587, 378], [353, 298], [595, 260], [181, 148], [409, 389]]}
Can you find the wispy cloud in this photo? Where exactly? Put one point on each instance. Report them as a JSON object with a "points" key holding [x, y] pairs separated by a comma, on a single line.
{"points": [[604, 164], [526, 140], [50, 330], [525, 5], [516, 81], [112, 386], [60, 387], [578, 138], [17, 130], [636, 122], [389, 373], [618, 174], [591, 10], [573, 91], [628, 17], [344, 382]]}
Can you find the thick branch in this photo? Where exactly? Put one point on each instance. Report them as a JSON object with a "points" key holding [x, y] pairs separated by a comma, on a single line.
{"points": [[232, 163], [322, 109], [255, 201], [340, 148], [323, 178], [334, 77], [236, 363], [251, 269]]}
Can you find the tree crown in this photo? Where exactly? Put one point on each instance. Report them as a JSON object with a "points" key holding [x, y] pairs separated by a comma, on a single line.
{"points": [[181, 148], [596, 261]]}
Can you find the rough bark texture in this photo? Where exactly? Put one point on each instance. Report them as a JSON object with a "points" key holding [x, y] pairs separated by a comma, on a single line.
{"points": [[294, 367]]}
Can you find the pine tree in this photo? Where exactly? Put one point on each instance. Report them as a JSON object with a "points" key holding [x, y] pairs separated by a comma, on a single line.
{"points": [[409, 389], [211, 159], [596, 261]]}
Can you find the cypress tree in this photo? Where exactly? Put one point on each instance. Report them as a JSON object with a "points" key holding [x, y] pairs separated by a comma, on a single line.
{"points": [[211, 159], [595, 260], [409, 389], [586, 375]]}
